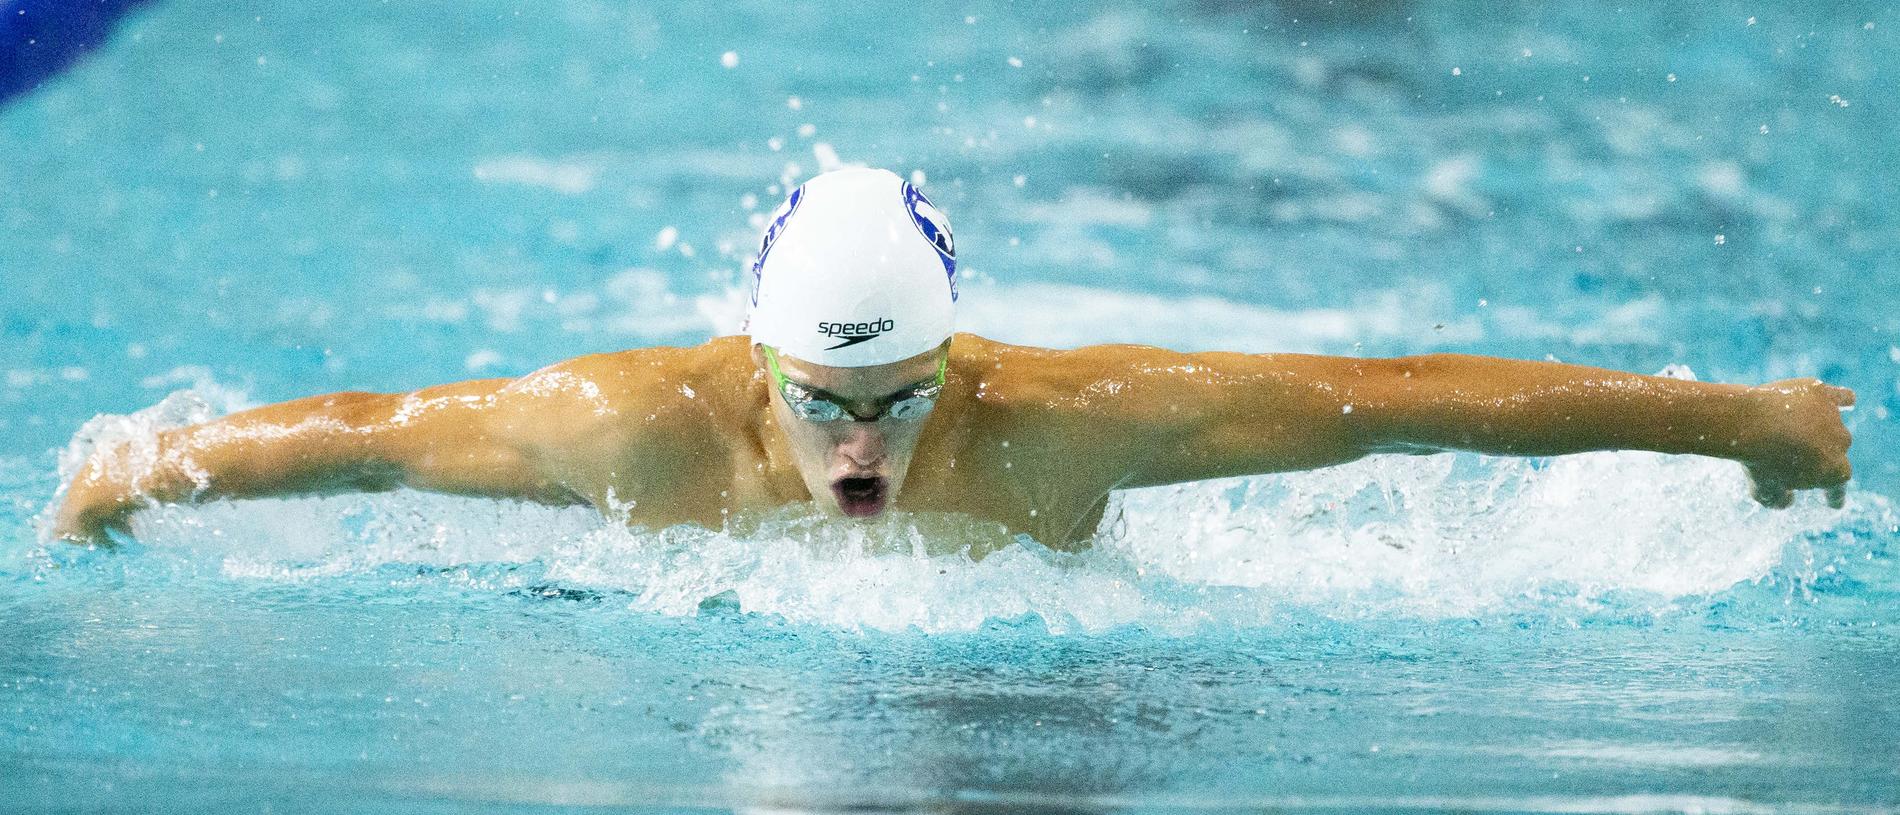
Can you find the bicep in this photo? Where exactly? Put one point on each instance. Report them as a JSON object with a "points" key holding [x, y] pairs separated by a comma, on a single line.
{"points": [[461, 438], [611, 435], [1190, 417]]}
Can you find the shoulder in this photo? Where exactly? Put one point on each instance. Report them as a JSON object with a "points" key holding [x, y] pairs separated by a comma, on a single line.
{"points": [[1106, 389], [1002, 376], [624, 395], [1076, 422]]}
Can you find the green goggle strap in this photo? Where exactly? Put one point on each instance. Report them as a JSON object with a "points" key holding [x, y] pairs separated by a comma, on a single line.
{"points": [[771, 364]]}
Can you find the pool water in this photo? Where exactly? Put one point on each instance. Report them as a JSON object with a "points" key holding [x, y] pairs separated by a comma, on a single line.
{"points": [[225, 204]]}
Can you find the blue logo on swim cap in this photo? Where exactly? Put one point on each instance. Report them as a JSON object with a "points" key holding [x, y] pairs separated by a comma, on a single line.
{"points": [[772, 232], [935, 228]]}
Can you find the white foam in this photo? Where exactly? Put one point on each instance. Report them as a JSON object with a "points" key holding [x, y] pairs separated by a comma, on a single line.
{"points": [[203, 401], [826, 156], [1454, 536], [1387, 536], [1430, 536], [565, 177]]}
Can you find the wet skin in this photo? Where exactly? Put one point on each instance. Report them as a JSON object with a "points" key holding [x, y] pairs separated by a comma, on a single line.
{"points": [[1032, 438]]}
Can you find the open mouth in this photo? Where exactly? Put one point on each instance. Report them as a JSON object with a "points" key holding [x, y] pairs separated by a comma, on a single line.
{"points": [[860, 497]]}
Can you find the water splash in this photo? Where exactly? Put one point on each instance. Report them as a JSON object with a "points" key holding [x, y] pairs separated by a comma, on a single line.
{"points": [[1389, 536], [1448, 535]]}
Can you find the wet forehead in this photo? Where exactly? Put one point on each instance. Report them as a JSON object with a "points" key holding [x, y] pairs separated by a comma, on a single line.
{"points": [[862, 383]]}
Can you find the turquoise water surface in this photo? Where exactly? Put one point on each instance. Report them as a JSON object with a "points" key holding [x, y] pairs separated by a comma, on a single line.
{"points": [[232, 203]]}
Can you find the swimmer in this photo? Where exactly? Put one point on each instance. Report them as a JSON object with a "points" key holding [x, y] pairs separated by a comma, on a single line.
{"points": [[850, 392]]}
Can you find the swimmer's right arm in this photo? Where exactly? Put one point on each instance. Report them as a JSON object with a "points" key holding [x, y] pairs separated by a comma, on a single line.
{"points": [[440, 439]]}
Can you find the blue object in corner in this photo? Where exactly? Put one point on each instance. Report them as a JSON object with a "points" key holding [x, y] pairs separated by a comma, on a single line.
{"points": [[38, 38]]}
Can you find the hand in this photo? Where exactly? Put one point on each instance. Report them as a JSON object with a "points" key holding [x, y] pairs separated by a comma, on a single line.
{"points": [[95, 503], [1803, 444]]}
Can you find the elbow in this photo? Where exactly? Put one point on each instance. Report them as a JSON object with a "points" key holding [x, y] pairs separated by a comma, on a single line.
{"points": [[1419, 367], [358, 409], [1383, 406], [378, 476]]}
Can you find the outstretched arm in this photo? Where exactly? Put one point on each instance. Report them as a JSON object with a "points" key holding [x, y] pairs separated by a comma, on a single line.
{"points": [[1266, 413], [437, 439], [1789, 434]]}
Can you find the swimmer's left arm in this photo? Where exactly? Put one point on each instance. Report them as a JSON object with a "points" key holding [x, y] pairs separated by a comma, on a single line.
{"points": [[1268, 413]]}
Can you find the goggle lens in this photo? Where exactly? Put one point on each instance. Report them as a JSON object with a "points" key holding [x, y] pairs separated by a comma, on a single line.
{"points": [[912, 408], [812, 407]]}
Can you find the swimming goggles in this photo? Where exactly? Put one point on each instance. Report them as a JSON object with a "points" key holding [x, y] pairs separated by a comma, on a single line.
{"points": [[814, 405]]}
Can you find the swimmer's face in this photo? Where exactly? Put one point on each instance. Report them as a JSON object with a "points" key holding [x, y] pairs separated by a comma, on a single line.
{"points": [[854, 467]]}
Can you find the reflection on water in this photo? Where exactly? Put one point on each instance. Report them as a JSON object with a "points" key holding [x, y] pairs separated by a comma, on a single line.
{"points": [[498, 698], [293, 198]]}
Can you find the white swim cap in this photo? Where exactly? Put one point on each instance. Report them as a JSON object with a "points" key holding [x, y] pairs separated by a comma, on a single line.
{"points": [[856, 268]]}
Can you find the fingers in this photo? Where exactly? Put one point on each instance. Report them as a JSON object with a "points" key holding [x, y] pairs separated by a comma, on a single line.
{"points": [[115, 535], [82, 538], [1776, 495], [1843, 397], [1773, 496]]}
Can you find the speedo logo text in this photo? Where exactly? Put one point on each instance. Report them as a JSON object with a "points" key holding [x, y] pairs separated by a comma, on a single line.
{"points": [[854, 333]]}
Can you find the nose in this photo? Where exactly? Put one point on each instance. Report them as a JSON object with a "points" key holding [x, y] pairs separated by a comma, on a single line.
{"points": [[863, 445]]}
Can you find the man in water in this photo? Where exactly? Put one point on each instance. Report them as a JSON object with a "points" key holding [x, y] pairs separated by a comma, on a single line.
{"points": [[849, 392]]}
